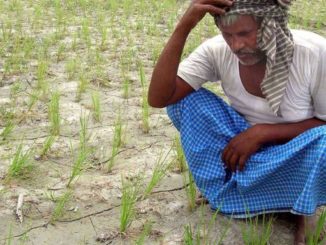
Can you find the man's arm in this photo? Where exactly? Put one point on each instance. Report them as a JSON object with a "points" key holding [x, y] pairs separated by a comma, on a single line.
{"points": [[242, 146], [165, 87]]}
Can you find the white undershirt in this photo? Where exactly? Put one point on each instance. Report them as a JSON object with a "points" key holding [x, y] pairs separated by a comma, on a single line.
{"points": [[305, 95]]}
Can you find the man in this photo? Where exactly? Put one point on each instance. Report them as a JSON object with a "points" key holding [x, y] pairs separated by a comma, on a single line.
{"points": [[266, 152]]}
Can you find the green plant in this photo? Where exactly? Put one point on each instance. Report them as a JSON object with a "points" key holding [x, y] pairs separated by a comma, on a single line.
{"points": [[181, 164], [21, 163], [251, 235], [7, 130], [189, 238], [32, 99], [54, 114], [82, 86], [116, 142], [82, 153], [159, 172], [96, 106], [317, 237], [190, 189], [47, 145], [145, 106], [10, 236], [130, 190], [60, 204], [146, 231]]}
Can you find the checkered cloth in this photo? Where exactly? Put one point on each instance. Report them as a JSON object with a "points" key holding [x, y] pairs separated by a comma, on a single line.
{"points": [[278, 178], [275, 40]]}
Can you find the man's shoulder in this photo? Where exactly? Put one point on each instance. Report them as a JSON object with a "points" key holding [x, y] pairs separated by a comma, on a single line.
{"points": [[306, 41]]}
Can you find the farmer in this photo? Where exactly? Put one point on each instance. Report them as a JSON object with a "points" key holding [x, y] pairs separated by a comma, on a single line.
{"points": [[265, 151]]}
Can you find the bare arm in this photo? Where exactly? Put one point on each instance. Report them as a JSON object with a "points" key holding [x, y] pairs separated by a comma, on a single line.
{"points": [[165, 87], [242, 146]]}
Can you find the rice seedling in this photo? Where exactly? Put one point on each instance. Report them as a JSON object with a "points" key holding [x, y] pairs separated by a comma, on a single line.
{"points": [[317, 237], [54, 114], [82, 86], [32, 99], [145, 106], [85, 33], [41, 72], [252, 235], [60, 204], [160, 169], [72, 67], [130, 191], [21, 164], [96, 105], [180, 161], [146, 231], [82, 153], [7, 130], [9, 236], [47, 145], [190, 189], [116, 142], [61, 53], [189, 238], [125, 86]]}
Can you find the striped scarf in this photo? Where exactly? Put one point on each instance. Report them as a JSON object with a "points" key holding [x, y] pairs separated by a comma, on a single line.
{"points": [[275, 40]]}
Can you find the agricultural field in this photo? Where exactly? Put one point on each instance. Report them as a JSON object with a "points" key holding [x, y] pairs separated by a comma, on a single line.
{"points": [[84, 159]]}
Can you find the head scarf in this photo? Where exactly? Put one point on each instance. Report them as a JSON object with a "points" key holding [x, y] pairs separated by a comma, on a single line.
{"points": [[275, 40]]}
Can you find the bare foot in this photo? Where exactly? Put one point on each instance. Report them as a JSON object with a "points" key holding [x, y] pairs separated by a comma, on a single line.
{"points": [[201, 200], [299, 235], [305, 226]]}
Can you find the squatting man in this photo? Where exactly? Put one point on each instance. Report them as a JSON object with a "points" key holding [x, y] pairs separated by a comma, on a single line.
{"points": [[265, 150]]}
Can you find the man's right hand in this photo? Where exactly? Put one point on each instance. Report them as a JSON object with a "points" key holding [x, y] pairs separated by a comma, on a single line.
{"points": [[166, 87], [198, 9]]}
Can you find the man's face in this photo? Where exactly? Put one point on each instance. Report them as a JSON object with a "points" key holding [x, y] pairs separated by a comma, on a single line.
{"points": [[241, 36]]}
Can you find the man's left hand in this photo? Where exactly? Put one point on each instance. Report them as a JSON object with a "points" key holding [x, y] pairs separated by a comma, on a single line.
{"points": [[240, 148]]}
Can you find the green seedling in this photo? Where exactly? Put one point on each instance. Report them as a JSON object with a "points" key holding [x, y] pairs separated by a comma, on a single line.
{"points": [[47, 145], [7, 130], [72, 67], [116, 142], [181, 164], [82, 154], [59, 208], [61, 52], [21, 164], [82, 86], [10, 236], [41, 73], [130, 191], [190, 189], [161, 167], [125, 86], [145, 106], [317, 237], [32, 99], [85, 33], [54, 115], [189, 238], [146, 231], [252, 236], [96, 106]]}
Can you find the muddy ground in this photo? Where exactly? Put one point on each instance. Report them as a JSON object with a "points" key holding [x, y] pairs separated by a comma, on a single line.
{"points": [[69, 32]]}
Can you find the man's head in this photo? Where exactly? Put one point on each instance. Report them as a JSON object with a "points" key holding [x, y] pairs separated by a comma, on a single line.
{"points": [[257, 30], [240, 33]]}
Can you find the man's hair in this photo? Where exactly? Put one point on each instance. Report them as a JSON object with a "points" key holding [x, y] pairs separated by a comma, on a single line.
{"points": [[227, 20]]}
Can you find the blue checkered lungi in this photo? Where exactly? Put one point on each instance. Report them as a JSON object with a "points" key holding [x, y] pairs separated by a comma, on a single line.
{"points": [[288, 177]]}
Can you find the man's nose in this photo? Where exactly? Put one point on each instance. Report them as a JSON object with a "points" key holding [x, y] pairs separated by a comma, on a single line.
{"points": [[237, 44]]}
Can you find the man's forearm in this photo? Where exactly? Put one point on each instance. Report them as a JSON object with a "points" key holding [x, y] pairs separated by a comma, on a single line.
{"points": [[163, 84], [281, 133]]}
